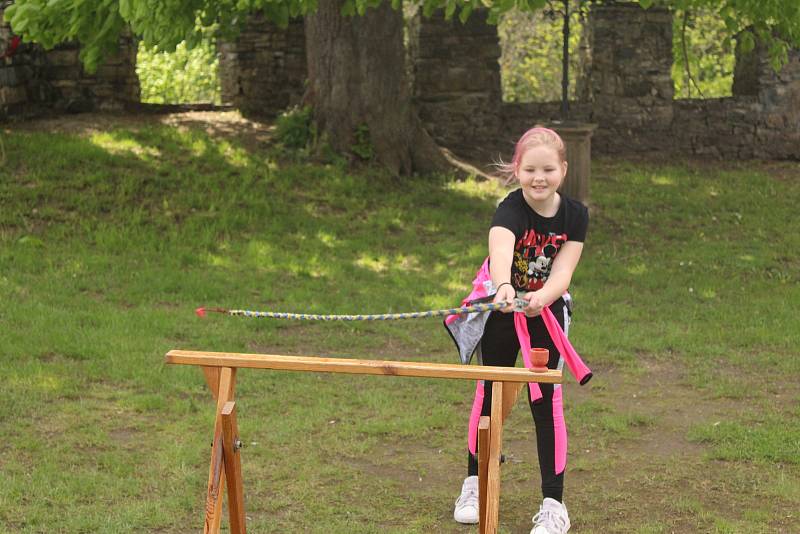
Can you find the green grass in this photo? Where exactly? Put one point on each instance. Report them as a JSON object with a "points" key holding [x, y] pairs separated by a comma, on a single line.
{"points": [[602, 419], [109, 241], [770, 440]]}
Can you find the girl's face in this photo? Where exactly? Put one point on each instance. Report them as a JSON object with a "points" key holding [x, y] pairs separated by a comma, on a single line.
{"points": [[541, 173]]}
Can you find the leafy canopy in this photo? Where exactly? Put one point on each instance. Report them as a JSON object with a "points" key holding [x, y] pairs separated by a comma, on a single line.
{"points": [[532, 45], [97, 24], [776, 23], [703, 58]]}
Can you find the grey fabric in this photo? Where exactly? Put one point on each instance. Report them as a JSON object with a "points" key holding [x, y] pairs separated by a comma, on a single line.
{"points": [[467, 333]]}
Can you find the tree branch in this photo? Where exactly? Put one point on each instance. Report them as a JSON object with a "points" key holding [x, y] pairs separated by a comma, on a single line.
{"points": [[686, 58]]}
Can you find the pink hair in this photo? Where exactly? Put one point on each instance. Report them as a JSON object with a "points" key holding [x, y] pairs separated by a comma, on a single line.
{"points": [[536, 136]]}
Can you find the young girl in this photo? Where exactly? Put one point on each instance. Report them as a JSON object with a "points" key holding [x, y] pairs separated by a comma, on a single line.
{"points": [[535, 242]]}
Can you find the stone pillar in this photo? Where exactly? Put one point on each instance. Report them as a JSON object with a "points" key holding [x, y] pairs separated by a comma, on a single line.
{"points": [[629, 80], [578, 139], [747, 70], [777, 131], [456, 72], [264, 71], [20, 85]]}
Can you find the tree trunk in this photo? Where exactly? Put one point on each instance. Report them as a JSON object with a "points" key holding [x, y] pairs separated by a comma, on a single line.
{"points": [[357, 83]]}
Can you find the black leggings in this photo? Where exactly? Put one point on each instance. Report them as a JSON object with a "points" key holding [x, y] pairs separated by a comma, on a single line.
{"points": [[500, 346]]}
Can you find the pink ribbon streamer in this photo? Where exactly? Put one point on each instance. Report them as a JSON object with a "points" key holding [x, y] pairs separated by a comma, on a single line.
{"points": [[579, 370], [576, 366]]}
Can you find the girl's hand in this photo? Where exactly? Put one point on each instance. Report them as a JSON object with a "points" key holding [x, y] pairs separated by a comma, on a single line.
{"points": [[535, 304], [508, 294]]}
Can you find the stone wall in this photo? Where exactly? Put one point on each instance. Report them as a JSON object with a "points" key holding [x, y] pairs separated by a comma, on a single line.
{"points": [[627, 91], [457, 78], [33, 79], [760, 120], [21, 85], [264, 71], [628, 78], [761, 125], [626, 87]]}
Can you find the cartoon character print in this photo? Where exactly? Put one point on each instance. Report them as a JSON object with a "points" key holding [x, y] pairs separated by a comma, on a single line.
{"points": [[533, 258]]}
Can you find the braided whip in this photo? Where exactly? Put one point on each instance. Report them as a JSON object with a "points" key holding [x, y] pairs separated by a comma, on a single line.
{"points": [[201, 312], [574, 362]]}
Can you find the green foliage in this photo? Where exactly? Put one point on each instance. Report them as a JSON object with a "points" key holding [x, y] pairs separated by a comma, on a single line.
{"points": [[183, 76], [98, 23], [362, 147], [530, 67], [775, 23], [709, 53], [295, 127]]}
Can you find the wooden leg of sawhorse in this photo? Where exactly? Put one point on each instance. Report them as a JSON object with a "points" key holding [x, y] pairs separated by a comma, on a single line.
{"points": [[233, 468], [216, 473], [483, 469], [493, 467], [490, 441]]}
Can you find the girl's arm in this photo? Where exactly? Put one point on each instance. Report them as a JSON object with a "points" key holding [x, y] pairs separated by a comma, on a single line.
{"points": [[559, 279], [501, 255]]}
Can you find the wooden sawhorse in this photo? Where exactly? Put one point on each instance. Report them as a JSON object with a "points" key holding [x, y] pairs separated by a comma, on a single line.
{"points": [[225, 467]]}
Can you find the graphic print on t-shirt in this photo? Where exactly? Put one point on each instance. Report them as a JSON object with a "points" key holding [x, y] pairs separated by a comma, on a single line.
{"points": [[533, 258]]}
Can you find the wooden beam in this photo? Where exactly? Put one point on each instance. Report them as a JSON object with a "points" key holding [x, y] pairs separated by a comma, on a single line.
{"points": [[362, 367]]}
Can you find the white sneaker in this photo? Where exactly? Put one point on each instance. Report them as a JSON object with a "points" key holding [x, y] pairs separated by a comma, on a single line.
{"points": [[552, 518], [467, 503]]}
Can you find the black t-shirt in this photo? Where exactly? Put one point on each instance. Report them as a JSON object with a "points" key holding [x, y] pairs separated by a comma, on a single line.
{"points": [[538, 239]]}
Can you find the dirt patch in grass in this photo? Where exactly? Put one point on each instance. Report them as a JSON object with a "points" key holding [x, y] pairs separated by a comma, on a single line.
{"points": [[253, 134]]}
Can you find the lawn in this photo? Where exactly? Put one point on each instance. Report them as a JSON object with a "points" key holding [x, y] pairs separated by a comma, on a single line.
{"points": [[687, 302]]}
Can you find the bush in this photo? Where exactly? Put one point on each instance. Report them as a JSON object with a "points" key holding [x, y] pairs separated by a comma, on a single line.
{"points": [[181, 77], [295, 128]]}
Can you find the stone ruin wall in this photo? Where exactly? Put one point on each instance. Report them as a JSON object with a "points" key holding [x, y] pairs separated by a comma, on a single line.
{"points": [[626, 89], [33, 79], [761, 120]]}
